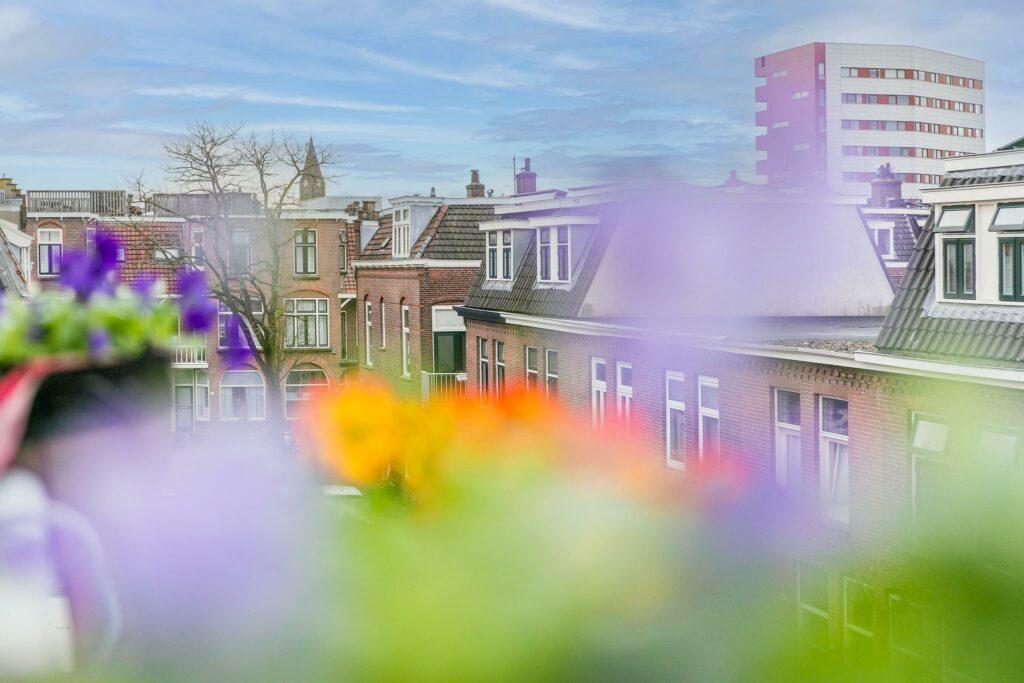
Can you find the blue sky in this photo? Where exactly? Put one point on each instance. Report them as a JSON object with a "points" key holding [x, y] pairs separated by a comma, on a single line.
{"points": [[413, 95]]}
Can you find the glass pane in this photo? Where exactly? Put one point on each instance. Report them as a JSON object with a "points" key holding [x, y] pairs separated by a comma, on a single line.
{"points": [[677, 434], [625, 376], [552, 363], [968, 258], [834, 416], [600, 371], [322, 330], [709, 436], [930, 435], [859, 606], [545, 262], [506, 237], [499, 351], [839, 476], [787, 407], [449, 352], [676, 390], [531, 358], [955, 219], [929, 487], [949, 251], [793, 459], [1006, 252], [1009, 216], [563, 262], [305, 306], [709, 396]]}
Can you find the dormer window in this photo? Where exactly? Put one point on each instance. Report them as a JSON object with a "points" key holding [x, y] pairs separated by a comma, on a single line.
{"points": [[1008, 218], [400, 233], [958, 266], [553, 254], [499, 255], [956, 219]]}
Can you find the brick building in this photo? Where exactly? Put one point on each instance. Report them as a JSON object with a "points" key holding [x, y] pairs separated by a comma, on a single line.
{"points": [[756, 328], [414, 269]]}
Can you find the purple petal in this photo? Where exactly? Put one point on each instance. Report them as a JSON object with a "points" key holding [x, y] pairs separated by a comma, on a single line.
{"points": [[198, 316], [192, 284], [99, 342]]}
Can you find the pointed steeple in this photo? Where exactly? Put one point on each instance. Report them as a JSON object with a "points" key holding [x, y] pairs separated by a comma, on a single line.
{"points": [[312, 183]]}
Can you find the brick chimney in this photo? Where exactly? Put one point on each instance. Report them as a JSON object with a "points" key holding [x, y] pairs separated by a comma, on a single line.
{"points": [[475, 187], [526, 180], [886, 190]]}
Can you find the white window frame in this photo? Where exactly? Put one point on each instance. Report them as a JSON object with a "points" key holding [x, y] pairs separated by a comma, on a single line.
{"points": [[598, 393], [499, 368], [704, 411], [535, 372], [833, 513], [623, 394], [875, 230], [344, 334], [496, 255], [383, 325], [548, 375], [483, 367], [224, 394], [918, 454], [893, 646], [671, 406], [224, 313], [848, 626], [300, 398], [197, 261], [200, 389], [554, 246], [400, 234], [305, 247], [807, 608], [782, 431], [368, 332], [321, 312], [405, 342], [49, 237]]}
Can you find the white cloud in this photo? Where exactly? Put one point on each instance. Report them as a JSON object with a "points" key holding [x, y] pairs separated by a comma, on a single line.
{"points": [[493, 76], [590, 16], [217, 92]]}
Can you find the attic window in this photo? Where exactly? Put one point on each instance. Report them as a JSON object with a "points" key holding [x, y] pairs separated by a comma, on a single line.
{"points": [[1008, 218], [956, 219]]}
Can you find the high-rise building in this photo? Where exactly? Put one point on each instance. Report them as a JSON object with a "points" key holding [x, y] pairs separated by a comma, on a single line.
{"points": [[832, 113]]}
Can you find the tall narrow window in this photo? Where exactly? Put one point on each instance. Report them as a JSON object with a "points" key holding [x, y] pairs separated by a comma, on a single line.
{"points": [[343, 251], [368, 333], [707, 426], [532, 364], [241, 252], [562, 234], [624, 392], [544, 254], [813, 606], [224, 314], [305, 252], [1011, 269], [383, 325], [787, 438], [598, 391], [675, 420], [492, 255], [405, 341], [834, 460], [305, 324], [929, 444], [51, 248], [344, 335], [506, 254], [858, 623], [499, 368], [483, 368], [906, 638], [198, 251], [551, 372]]}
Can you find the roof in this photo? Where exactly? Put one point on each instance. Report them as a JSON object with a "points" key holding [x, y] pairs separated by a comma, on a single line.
{"points": [[984, 176], [1016, 144], [379, 246], [12, 279], [919, 326], [905, 230], [453, 233]]}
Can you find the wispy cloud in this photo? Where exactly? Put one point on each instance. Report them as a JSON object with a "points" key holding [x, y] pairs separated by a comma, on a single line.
{"points": [[591, 16], [216, 92], [496, 76]]}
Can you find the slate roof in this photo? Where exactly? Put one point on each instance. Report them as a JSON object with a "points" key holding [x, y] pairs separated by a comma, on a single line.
{"points": [[905, 236], [526, 297], [918, 326], [379, 246], [983, 176], [454, 233]]}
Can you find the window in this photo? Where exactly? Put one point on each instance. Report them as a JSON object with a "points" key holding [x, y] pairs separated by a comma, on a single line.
{"points": [[224, 313], [598, 391], [492, 255], [383, 325], [906, 637], [405, 341], [165, 253], [956, 219], [50, 250], [532, 367], [483, 375], [929, 441], [858, 622], [305, 324], [812, 604], [1009, 217], [787, 439], [624, 392], [241, 252], [707, 403], [198, 250], [834, 461], [400, 234], [1011, 274], [241, 395], [343, 251], [882, 234], [499, 255], [499, 368], [305, 252], [344, 335], [551, 372], [368, 329], [449, 340], [300, 385], [553, 260], [675, 420], [958, 266], [506, 254], [191, 398]]}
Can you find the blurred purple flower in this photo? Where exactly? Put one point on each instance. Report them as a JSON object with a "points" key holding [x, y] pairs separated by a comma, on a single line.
{"points": [[145, 286], [90, 273], [197, 309], [237, 351], [99, 341]]}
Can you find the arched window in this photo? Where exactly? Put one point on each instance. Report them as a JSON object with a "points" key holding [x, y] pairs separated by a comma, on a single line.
{"points": [[242, 395], [301, 384]]}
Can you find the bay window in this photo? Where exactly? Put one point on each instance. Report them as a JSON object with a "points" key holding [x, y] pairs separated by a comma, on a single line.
{"points": [[834, 460], [305, 324]]}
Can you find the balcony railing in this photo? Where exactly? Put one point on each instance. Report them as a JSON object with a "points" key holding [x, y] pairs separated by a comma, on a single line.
{"points": [[99, 202], [189, 355], [442, 384]]}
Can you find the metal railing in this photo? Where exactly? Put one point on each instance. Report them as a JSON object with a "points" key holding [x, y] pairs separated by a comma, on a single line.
{"points": [[99, 202], [442, 384], [191, 355]]}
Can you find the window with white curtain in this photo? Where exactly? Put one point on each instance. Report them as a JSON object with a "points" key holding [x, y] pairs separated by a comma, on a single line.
{"points": [[242, 395]]}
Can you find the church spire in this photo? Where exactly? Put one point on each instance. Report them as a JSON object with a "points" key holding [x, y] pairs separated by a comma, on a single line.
{"points": [[312, 183]]}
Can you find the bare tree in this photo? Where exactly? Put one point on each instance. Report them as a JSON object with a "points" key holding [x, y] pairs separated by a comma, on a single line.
{"points": [[222, 172]]}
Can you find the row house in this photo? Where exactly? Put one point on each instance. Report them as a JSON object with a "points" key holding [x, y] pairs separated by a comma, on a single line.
{"points": [[760, 329], [411, 274]]}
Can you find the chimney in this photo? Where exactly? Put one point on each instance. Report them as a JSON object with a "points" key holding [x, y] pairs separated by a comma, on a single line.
{"points": [[526, 180], [475, 187], [886, 190]]}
